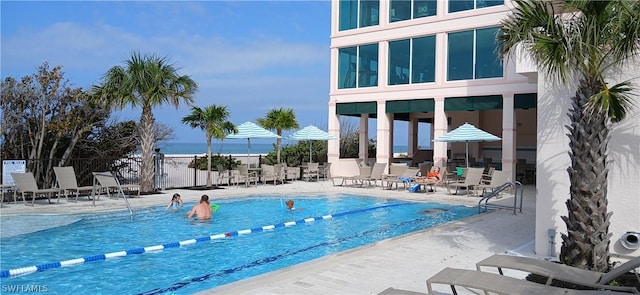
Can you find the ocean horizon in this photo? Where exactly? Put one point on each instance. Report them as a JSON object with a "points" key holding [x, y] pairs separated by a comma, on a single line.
{"points": [[180, 148]]}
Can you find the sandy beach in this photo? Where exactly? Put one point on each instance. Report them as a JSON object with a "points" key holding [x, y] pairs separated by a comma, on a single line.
{"points": [[403, 263]]}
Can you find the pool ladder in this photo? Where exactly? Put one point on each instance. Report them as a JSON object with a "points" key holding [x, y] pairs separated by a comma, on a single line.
{"points": [[484, 201], [120, 192]]}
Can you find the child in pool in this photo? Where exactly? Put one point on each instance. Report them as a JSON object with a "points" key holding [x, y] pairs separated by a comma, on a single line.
{"points": [[290, 205], [175, 203]]}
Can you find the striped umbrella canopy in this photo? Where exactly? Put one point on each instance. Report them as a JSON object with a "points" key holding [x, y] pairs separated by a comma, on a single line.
{"points": [[467, 133], [311, 133], [249, 130]]}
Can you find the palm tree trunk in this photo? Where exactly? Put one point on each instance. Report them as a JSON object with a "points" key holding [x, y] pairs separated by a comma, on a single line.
{"points": [[208, 161], [586, 244], [146, 147]]}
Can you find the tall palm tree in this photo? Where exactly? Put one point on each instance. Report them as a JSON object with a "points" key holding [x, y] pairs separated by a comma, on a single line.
{"points": [[146, 81], [279, 120], [581, 41], [214, 121]]}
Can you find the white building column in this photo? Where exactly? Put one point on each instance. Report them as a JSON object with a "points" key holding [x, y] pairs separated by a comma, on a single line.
{"points": [[440, 127], [383, 134], [333, 146], [508, 135], [364, 137]]}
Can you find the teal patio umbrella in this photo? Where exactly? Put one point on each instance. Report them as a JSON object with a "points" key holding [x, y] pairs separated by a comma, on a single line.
{"points": [[249, 130], [467, 133], [311, 133]]}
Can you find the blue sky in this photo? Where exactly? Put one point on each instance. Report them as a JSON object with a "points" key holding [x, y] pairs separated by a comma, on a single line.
{"points": [[251, 56]]}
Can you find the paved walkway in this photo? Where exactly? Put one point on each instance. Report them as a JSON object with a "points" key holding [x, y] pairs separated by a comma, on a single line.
{"points": [[403, 263]]}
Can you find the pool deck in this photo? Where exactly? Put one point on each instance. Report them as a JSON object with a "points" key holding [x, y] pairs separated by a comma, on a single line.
{"points": [[402, 263]]}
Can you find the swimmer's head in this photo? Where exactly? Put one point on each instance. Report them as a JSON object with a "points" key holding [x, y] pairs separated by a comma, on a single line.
{"points": [[289, 204]]}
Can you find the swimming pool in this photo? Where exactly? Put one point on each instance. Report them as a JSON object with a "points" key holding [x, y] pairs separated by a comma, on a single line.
{"points": [[187, 269]]}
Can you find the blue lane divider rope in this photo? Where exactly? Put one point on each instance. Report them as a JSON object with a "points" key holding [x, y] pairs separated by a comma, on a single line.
{"points": [[5, 273]]}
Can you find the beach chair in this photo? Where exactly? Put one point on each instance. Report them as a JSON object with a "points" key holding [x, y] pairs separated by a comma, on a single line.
{"points": [[472, 178], [108, 182], [325, 171], [26, 184], [393, 178], [495, 283], [498, 178], [562, 272], [66, 178], [377, 173]]}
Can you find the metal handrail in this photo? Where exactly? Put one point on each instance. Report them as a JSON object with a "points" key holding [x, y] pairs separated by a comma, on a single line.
{"points": [[120, 191], [496, 191]]}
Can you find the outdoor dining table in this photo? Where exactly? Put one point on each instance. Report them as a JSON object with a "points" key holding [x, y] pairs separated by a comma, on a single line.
{"points": [[9, 187]]}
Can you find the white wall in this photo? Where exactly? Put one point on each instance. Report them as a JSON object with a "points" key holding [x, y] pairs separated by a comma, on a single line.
{"points": [[552, 187]]}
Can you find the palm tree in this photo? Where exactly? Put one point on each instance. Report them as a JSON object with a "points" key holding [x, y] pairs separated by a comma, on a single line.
{"points": [[146, 82], [214, 121], [582, 40], [279, 120]]}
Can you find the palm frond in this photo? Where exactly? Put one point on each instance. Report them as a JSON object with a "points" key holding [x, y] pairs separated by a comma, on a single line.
{"points": [[615, 101]]}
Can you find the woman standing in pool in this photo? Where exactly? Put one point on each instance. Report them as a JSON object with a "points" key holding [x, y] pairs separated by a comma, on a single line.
{"points": [[175, 203], [202, 210]]}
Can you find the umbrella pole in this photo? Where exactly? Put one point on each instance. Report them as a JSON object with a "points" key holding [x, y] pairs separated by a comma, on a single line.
{"points": [[310, 142], [467, 153], [248, 151]]}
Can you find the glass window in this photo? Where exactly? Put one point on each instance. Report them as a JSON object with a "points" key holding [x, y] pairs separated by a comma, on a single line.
{"points": [[347, 59], [399, 57], [369, 13], [348, 14], [423, 60], [424, 8], [488, 3], [460, 5], [399, 10], [460, 56], [368, 65], [488, 61]]}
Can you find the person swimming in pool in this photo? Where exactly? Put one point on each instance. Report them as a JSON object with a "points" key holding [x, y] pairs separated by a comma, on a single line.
{"points": [[290, 206], [175, 203], [202, 210]]}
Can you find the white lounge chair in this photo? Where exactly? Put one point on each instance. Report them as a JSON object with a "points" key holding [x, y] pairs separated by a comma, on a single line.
{"points": [[26, 184], [66, 178]]}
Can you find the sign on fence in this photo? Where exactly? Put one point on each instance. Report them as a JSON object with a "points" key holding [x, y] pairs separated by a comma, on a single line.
{"points": [[12, 166]]}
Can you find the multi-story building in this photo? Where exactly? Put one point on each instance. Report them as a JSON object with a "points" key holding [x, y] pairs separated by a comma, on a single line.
{"points": [[437, 62]]}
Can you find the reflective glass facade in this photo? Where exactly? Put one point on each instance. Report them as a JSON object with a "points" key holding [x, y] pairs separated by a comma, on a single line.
{"points": [[462, 5], [358, 14], [412, 60], [407, 9], [473, 55], [358, 66]]}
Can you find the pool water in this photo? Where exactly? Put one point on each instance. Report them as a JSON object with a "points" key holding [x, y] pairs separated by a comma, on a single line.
{"points": [[205, 265]]}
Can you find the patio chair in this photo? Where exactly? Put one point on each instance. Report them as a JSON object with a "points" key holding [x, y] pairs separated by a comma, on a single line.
{"points": [[290, 172], [471, 179], [66, 178], [394, 176], [225, 176], [325, 171], [26, 184], [108, 182], [562, 272], [498, 178], [247, 176], [491, 282], [271, 172], [377, 173], [310, 171]]}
